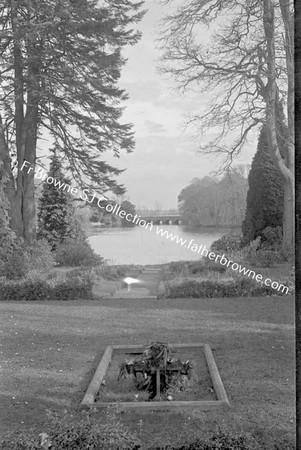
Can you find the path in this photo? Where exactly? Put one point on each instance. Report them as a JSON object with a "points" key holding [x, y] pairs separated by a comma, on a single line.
{"points": [[149, 278]]}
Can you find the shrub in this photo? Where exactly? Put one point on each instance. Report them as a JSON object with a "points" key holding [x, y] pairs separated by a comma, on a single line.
{"points": [[227, 243], [76, 253], [16, 264], [272, 238], [26, 290], [41, 257], [76, 286], [266, 258], [214, 266], [71, 288], [111, 272], [243, 287], [178, 267]]}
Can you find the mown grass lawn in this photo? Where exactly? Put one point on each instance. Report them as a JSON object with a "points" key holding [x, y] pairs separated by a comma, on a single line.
{"points": [[49, 351]]}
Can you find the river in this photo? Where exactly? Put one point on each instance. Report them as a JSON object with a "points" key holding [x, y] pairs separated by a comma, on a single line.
{"points": [[142, 246]]}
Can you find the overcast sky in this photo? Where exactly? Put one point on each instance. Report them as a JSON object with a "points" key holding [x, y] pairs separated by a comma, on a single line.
{"points": [[165, 159]]}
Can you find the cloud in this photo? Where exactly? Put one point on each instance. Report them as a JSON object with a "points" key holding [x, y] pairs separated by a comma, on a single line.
{"points": [[154, 128]]}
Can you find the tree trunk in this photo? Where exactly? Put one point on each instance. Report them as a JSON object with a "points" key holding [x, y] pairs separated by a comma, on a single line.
{"points": [[284, 162], [288, 218]]}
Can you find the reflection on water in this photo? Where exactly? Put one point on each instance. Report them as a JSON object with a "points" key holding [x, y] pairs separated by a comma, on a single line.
{"points": [[141, 246]]}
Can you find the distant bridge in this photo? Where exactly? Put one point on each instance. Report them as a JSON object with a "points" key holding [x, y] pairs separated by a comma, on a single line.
{"points": [[160, 219]]}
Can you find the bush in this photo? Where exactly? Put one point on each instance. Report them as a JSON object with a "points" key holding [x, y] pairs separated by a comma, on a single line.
{"points": [[77, 285], [266, 258], [111, 272], [76, 253], [227, 243], [209, 289], [184, 269], [272, 238], [26, 290], [35, 290], [16, 264], [41, 257], [214, 266]]}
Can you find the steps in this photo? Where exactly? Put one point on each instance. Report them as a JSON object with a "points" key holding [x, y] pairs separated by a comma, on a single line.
{"points": [[149, 280]]}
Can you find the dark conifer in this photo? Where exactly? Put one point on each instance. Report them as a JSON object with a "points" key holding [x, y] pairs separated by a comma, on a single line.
{"points": [[56, 220], [265, 194]]}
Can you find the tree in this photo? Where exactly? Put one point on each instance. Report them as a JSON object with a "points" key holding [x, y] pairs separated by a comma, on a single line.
{"points": [[56, 220], [212, 202], [248, 65], [60, 64], [129, 208], [265, 194]]}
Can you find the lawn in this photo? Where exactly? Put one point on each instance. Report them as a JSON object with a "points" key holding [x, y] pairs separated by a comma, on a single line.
{"points": [[49, 352]]}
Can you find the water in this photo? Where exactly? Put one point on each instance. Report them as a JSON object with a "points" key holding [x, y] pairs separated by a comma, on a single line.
{"points": [[141, 246]]}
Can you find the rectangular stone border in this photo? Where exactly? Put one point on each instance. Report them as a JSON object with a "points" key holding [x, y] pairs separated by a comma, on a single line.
{"points": [[93, 388]]}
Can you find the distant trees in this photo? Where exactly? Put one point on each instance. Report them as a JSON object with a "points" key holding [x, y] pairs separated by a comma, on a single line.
{"points": [[265, 194], [59, 68], [56, 216], [130, 209], [212, 202]]}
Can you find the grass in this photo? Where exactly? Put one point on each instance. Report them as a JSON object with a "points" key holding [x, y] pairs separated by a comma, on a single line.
{"points": [[50, 350]]}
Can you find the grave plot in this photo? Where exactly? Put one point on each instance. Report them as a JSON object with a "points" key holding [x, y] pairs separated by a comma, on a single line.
{"points": [[159, 377]]}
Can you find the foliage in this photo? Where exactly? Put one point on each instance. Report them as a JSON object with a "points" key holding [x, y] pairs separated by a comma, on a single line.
{"points": [[41, 257], [258, 255], [111, 272], [60, 67], [76, 253], [272, 238], [22, 260], [227, 243], [129, 208], [203, 266], [56, 220], [246, 65], [24, 290], [209, 201], [265, 258], [16, 262], [156, 356], [73, 286], [265, 194], [242, 287], [7, 236]]}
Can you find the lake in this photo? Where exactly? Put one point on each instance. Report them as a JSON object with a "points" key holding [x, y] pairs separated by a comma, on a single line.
{"points": [[142, 246]]}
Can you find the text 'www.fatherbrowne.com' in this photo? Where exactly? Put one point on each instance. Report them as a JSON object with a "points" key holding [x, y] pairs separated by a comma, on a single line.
{"points": [[203, 251]]}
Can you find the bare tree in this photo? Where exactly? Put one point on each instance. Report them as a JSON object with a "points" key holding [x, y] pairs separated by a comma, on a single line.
{"points": [[247, 65]]}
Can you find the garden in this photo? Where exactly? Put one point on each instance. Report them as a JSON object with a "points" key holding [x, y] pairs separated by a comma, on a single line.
{"points": [[207, 278], [50, 351]]}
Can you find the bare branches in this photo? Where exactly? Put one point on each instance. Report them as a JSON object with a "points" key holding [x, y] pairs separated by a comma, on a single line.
{"points": [[229, 60]]}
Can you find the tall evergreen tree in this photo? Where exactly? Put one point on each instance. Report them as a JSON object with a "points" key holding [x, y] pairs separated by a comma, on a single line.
{"points": [[60, 65], [56, 220], [265, 194]]}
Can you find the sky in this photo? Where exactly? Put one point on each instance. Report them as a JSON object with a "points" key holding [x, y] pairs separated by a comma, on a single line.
{"points": [[166, 156]]}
